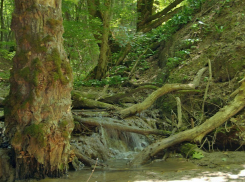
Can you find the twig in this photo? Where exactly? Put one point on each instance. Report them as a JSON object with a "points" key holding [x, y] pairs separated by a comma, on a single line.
{"points": [[93, 170], [179, 112], [206, 90]]}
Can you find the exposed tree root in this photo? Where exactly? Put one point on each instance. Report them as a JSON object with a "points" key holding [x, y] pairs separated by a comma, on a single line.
{"points": [[137, 108], [111, 123], [80, 102], [196, 133], [85, 159]]}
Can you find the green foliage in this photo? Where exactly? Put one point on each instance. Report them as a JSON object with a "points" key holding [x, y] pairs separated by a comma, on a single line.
{"points": [[173, 62], [81, 47], [36, 131], [197, 155], [118, 70], [113, 80], [5, 74], [219, 29]]}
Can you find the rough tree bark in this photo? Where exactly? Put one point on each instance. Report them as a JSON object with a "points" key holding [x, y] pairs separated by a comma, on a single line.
{"points": [[2, 22], [38, 110], [196, 133]]}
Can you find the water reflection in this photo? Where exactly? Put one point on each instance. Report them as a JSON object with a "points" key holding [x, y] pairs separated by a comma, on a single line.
{"points": [[119, 172]]}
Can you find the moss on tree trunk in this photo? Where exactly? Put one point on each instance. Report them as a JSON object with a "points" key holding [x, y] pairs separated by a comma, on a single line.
{"points": [[38, 110]]}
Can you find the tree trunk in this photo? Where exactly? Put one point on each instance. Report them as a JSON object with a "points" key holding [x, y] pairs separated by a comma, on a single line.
{"points": [[161, 13], [38, 110], [2, 22], [144, 10], [196, 133], [101, 69]]}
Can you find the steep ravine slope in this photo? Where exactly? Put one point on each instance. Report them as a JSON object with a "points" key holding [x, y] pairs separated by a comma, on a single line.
{"points": [[216, 34]]}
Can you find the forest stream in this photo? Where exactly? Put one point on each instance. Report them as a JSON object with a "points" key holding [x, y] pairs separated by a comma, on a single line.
{"points": [[153, 96]]}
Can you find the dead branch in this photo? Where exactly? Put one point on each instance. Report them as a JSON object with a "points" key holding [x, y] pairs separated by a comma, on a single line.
{"points": [[161, 13], [81, 102], [137, 108], [196, 133], [111, 123], [116, 98]]}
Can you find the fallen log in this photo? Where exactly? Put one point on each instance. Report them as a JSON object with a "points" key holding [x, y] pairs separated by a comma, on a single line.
{"points": [[118, 97], [81, 102], [196, 133], [111, 123], [137, 108]]}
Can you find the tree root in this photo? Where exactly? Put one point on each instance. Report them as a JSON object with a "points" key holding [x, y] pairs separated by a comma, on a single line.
{"points": [[111, 123], [196, 133], [137, 108], [85, 159]]}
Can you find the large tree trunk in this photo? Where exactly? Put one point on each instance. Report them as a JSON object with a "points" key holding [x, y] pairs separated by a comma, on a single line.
{"points": [[38, 110], [101, 69], [2, 22]]}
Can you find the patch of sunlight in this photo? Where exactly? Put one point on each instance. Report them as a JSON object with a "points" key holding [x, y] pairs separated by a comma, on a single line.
{"points": [[204, 177]]}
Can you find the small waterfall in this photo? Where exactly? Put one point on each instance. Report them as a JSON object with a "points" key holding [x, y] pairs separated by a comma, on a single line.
{"points": [[123, 144]]}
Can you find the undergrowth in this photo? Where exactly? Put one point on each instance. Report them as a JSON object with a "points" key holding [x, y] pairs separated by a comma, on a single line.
{"points": [[141, 48]]}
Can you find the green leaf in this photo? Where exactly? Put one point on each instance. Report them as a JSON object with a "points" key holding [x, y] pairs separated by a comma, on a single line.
{"points": [[197, 155]]}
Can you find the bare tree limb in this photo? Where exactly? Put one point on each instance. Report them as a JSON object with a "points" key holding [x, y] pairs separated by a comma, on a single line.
{"points": [[111, 123], [196, 133]]}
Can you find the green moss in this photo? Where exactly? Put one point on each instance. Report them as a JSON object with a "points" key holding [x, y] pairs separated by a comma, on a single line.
{"points": [[58, 66], [48, 38], [188, 149], [38, 45], [37, 67], [65, 134], [67, 67], [55, 76], [61, 167], [63, 124], [53, 23], [36, 131], [22, 57]]}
